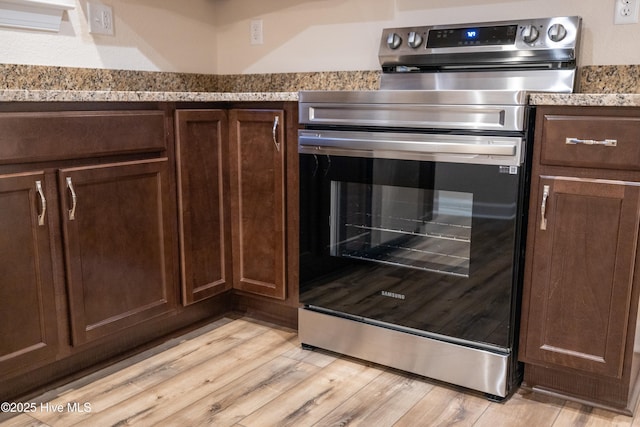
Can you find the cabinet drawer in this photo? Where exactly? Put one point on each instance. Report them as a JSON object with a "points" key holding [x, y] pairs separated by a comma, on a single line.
{"points": [[43, 136], [605, 142]]}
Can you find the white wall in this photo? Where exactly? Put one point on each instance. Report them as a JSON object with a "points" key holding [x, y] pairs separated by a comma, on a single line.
{"points": [[321, 35], [150, 35], [212, 36]]}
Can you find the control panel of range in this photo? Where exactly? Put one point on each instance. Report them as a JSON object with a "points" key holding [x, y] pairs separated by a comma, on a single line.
{"points": [[532, 35]]}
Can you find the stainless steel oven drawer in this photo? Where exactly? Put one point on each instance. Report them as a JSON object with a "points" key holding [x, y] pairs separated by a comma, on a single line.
{"points": [[469, 367]]}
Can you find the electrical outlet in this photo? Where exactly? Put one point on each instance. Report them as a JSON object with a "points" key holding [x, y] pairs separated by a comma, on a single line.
{"points": [[255, 32], [626, 12], [100, 18]]}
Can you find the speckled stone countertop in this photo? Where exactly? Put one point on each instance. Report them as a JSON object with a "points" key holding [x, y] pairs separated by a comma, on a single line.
{"points": [[602, 85], [586, 99], [43, 95], [599, 85], [41, 83]]}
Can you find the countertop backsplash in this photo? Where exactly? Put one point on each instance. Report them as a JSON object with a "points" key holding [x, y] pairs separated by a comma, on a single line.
{"points": [[609, 79], [604, 85], [293, 82], [34, 77]]}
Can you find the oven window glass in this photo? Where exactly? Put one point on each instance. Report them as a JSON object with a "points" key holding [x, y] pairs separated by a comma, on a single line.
{"points": [[430, 246], [417, 228]]}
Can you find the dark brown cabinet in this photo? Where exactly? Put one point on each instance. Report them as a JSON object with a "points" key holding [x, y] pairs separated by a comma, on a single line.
{"points": [[257, 160], [237, 172], [121, 223], [116, 246], [88, 238], [28, 329], [203, 206], [232, 196], [580, 298], [118, 253]]}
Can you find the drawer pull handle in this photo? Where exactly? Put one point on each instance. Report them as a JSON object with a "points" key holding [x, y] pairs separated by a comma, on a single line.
{"points": [[276, 121], [43, 203], [605, 142], [543, 207], [74, 199]]}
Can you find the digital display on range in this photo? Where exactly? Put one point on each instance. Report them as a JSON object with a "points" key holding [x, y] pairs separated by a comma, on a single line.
{"points": [[471, 34], [480, 36]]}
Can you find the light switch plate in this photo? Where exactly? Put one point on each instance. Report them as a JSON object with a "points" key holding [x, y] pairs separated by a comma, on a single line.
{"points": [[255, 32], [100, 19]]}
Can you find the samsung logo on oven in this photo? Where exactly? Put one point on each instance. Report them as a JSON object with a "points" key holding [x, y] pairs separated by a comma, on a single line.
{"points": [[391, 295]]}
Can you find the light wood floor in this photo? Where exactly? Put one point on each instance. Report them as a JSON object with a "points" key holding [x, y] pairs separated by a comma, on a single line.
{"points": [[241, 372]]}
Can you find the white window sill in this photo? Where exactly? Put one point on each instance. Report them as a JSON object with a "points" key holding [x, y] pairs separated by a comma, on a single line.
{"points": [[43, 15]]}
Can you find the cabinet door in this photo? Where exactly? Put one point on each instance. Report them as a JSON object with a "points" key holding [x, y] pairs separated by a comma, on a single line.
{"points": [[257, 201], [28, 331], [582, 273], [205, 236], [118, 245]]}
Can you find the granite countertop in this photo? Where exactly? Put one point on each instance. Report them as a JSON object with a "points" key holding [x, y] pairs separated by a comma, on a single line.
{"points": [[606, 85], [586, 99], [45, 95], [599, 85], [46, 83]]}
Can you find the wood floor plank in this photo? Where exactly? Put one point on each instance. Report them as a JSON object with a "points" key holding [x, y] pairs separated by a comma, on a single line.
{"points": [[132, 380], [576, 414], [245, 373], [522, 409], [312, 399], [22, 420], [445, 406], [381, 402], [238, 399], [319, 358], [162, 400]]}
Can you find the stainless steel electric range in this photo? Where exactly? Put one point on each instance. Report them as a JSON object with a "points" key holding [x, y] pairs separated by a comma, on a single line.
{"points": [[413, 199]]}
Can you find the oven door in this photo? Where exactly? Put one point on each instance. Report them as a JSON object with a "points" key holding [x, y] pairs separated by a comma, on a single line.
{"points": [[420, 240]]}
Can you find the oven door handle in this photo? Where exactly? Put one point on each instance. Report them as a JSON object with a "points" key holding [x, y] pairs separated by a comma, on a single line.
{"points": [[484, 149]]}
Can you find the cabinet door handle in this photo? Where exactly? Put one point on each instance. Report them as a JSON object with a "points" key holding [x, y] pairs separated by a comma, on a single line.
{"points": [[605, 142], [276, 121], [43, 203], [74, 199], [543, 207]]}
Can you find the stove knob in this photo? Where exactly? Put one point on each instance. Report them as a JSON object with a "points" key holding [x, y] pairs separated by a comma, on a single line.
{"points": [[530, 34], [394, 41], [557, 32], [415, 40]]}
